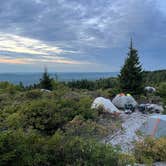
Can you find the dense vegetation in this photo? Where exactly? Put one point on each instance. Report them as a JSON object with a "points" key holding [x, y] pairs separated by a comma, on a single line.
{"points": [[106, 83], [154, 78], [59, 127], [53, 128], [150, 150], [150, 78]]}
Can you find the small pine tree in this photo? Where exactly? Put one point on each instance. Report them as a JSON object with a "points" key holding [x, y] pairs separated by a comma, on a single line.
{"points": [[46, 81], [130, 77], [21, 85]]}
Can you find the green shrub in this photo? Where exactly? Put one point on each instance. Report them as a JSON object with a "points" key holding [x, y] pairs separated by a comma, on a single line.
{"points": [[6, 87], [46, 114], [85, 128], [31, 125], [41, 115], [162, 90], [151, 149], [162, 93], [125, 159], [18, 148], [78, 151], [33, 94]]}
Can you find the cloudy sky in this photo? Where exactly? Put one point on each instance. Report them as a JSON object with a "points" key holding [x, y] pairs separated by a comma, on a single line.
{"points": [[80, 35]]}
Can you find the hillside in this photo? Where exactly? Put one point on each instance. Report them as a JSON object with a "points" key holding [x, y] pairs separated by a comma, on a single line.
{"points": [[42, 127]]}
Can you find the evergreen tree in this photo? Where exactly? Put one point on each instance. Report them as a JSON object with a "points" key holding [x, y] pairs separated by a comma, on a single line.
{"points": [[130, 77], [21, 85], [46, 81]]}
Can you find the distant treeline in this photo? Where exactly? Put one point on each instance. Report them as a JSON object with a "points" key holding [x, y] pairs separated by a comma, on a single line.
{"points": [[154, 77], [92, 85], [151, 78]]}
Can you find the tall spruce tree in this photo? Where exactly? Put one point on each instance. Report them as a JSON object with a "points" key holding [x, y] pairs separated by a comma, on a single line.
{"points": [[46, 81], [130, 77]]}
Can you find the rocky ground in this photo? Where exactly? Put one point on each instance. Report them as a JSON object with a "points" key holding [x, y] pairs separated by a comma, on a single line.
{"points": [[128, 133]]}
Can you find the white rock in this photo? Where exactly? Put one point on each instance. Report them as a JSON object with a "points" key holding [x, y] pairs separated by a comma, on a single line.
{"points": [[106, 104]]}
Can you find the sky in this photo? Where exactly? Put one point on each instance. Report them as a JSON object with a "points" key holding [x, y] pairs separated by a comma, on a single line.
{"points": [[80, 35]]}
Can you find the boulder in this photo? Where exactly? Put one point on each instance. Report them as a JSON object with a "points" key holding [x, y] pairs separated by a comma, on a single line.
{"points": [[106, 104], [120, 101], [150, 89]]}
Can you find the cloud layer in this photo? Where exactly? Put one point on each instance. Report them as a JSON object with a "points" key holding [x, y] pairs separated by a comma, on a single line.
{"points": [[93, 35]]}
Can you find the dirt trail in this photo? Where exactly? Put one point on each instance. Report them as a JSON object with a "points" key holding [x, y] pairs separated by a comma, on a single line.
{"points": [[127, 135]]}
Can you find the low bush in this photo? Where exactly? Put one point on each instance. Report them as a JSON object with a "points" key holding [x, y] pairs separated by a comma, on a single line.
{"points": [[151, 149], [33, 94], [126, 159], [18, 148], [45, 113], [85, 128], [162, 89]]}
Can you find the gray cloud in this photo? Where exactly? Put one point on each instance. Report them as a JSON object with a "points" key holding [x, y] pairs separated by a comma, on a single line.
{"points": [[98, 30]]}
